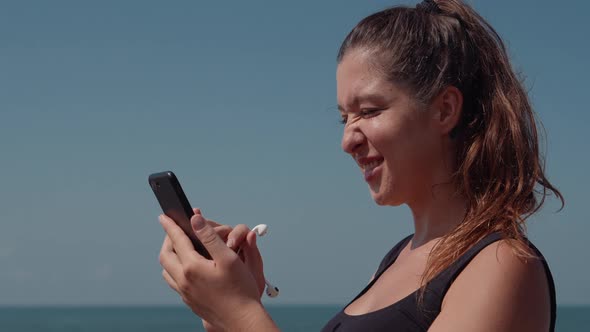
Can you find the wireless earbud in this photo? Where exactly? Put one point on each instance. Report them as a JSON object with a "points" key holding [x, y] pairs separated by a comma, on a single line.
{"points": [[260, 230], [271, 290]]}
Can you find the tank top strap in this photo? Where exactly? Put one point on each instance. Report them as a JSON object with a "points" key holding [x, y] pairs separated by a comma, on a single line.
{"points": [[441, 283], [437, 288], [387, 260], [391, 256]]}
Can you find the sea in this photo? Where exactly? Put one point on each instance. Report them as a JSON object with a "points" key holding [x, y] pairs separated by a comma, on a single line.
{"points": [[181, 319]]}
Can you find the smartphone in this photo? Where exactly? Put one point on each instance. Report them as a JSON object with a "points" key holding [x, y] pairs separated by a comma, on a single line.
{"points": [[175, 205]]}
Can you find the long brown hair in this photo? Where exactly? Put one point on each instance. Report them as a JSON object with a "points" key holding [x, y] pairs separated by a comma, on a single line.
{"points": [[499, 168]]}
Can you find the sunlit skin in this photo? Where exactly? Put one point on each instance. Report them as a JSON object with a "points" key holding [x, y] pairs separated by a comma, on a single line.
{"points": [[384, 125]]}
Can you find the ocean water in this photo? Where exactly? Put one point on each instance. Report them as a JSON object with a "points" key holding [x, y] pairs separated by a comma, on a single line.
{"points": [[180, 319]]}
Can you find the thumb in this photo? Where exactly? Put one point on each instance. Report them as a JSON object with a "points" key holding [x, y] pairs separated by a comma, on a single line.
{"points": [[209, 238]]}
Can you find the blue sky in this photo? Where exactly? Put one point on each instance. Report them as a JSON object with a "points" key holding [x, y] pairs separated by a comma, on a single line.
{"points": [[238, 98]]}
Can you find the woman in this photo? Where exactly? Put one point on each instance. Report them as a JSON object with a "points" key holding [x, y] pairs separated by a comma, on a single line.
{"points": [[436, 119]]}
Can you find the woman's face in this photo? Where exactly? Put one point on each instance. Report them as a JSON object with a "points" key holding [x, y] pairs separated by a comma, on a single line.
{"points": [[394, 143]]}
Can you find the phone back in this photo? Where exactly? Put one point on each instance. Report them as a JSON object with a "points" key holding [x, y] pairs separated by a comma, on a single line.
{"points": [[175, 205]]}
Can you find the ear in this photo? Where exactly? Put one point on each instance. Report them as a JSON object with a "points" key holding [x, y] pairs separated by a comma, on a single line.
{"points": [[448, 105]]}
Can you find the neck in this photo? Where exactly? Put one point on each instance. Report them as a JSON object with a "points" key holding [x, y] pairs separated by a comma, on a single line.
{"points": [[436, 214]]}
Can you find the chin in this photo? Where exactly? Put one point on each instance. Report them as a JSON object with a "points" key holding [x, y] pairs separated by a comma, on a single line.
{"points": [[386, 199], [387, 203], [381, 199]]}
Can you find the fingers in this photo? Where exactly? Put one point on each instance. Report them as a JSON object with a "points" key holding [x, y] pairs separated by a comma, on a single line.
{"points": [[209, 238], [253, 260], [211, 222], [170, 281], [170, 262], [237, 236], [223, 231], [180, 241], [209, 327], [220, 229]]}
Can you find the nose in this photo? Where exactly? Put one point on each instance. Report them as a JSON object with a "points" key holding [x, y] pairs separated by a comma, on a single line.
{"points": [[352, 139]]}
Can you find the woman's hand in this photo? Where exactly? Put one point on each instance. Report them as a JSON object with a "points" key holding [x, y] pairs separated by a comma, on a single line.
{"points": [[234, 238], [224, 291], [243, 241]]}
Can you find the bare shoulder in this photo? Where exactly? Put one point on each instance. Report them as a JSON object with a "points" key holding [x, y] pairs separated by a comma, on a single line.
{"points": [[498, 291]]}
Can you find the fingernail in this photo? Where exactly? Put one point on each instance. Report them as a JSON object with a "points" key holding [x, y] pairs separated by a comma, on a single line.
{"points": [[198, 223], [230, 243]]}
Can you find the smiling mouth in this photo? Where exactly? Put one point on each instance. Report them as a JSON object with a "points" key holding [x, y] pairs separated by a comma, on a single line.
{"points": [[367, 165]]}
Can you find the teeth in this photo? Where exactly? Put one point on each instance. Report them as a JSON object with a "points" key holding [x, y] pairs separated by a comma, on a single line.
{"points": [[371, 165]]}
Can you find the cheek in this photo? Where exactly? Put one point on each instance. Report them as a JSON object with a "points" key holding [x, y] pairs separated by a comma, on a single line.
{"points": [[385, 136], [401, 137], [407, 151]]}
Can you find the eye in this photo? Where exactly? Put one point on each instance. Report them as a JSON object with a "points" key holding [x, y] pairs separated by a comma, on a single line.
{"points": [[343, 119], [369, 112]]}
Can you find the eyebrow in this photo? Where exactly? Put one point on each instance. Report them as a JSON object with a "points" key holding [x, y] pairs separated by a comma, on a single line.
{"points": [[373, 97]]}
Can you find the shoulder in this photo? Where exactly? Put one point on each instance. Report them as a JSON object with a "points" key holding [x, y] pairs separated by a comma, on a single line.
{"points": [[500, 265], [499, 290]]}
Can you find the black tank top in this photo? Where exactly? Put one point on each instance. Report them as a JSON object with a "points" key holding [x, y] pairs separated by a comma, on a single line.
{"points": [[404, 315]]}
